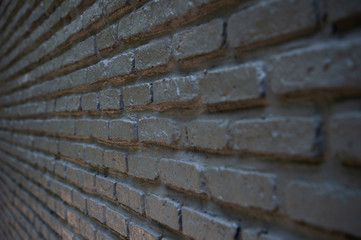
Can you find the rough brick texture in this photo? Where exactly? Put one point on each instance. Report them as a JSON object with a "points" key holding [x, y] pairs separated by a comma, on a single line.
{"points": [[180, 119]]}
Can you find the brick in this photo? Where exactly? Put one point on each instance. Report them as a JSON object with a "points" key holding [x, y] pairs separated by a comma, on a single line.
{"points": [[109, 99], [97, 72], [60, 209], [123, 130], [115, 160], [116, 221], [87, 229], [73, 219], [322, 67], [258, 234], [106, 39], [163, 210], [92, 14], [60, 104], [79, 200], [233, 86], [86, 179], [120, 65], [272, 136], [137, 96], [208, 134], [130, 197], [83, 127], [143, 166], [103, 236], [175, 92], [203, 226], [105, 186], [155, 54], [99, 128], [160, 130], [252, 189], [67, 127], [113, 6], [60, 169], [84, 49], [96, 209], [344, 133], [89, 102], [182, 175], [73, 103], [338, 10], [201, 40], [94, 155], [324, 205], [138, 232], [258, 25]]}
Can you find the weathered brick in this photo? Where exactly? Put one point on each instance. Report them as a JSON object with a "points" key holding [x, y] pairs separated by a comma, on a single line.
{"points": [[79, 200], [60, 104], [155, 54], [99, 128], [116, 221], [96, 209], [92, 14], [338, 10], [120, 65], [176, 92], [72, 103], [97, 72], [233, 86], [137, 96], [208, 134], [109, 99], [87, 229], [203, 226], [324, 205], [322, 67], [163, 210], [252, 189], [106, 40], [345, 141], [60, 168], [94, 155], [199, 41], [72, 218], [139, 232], [60, 209], [183, 175], [130, 197], [84, 49], [105, 186], [258, 25], [123, 130], [83, 127], [86, 179], [115, 160], [89, 102], [143, 166], [272, 136], [160, 130]]}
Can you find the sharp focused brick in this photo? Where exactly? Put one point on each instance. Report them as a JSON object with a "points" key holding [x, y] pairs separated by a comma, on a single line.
{"points": [[163, 210], [183, 175], [137, 96], [120, 65], [345, 141], [123, 130], [106, 39], [97, 72], [272, 136], [116, 160], [324, 205], [203, 226], [252, 189], [109, 99], [200, 40], [322, 67], [143, 166], [260, 25], [130, 197]]}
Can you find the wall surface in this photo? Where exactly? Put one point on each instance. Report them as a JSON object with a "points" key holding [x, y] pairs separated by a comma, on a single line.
{"points": [[180, 119]]}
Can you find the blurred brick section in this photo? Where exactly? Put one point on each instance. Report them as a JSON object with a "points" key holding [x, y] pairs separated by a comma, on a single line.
{"points": [[180, 119]]}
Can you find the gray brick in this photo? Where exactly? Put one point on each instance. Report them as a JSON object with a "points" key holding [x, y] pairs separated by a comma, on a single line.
{"points": [[73, 219], [130, 197], [345, 141], [97, 72], [204, 39], [176, 92], [163, 210], [60, 209], [106, 40], [96, 209], [120, 65], [79, 200], [123, 130], [252, 189], [258, 25], [92, 14], [60, 168], [160, 130], [100, 235], [83, 127], [322, 67], [73, 103], [155, 54], [234, 84], [182, 175], [94, 155], [272, 136], [115, 160], [258, 234], [143, 166], [203, 226], [113, 6], [109, 99], [60, 104], [208, 134], [89, 102], [116, 221], [87, 229], [105, 186], [86, 179], [84, 49], [99, 128], [137, 232], [137, 96], [324, 205]]}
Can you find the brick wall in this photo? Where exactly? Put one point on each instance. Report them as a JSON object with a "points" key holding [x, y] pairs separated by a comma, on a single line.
{"points": [[180, 119]]}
